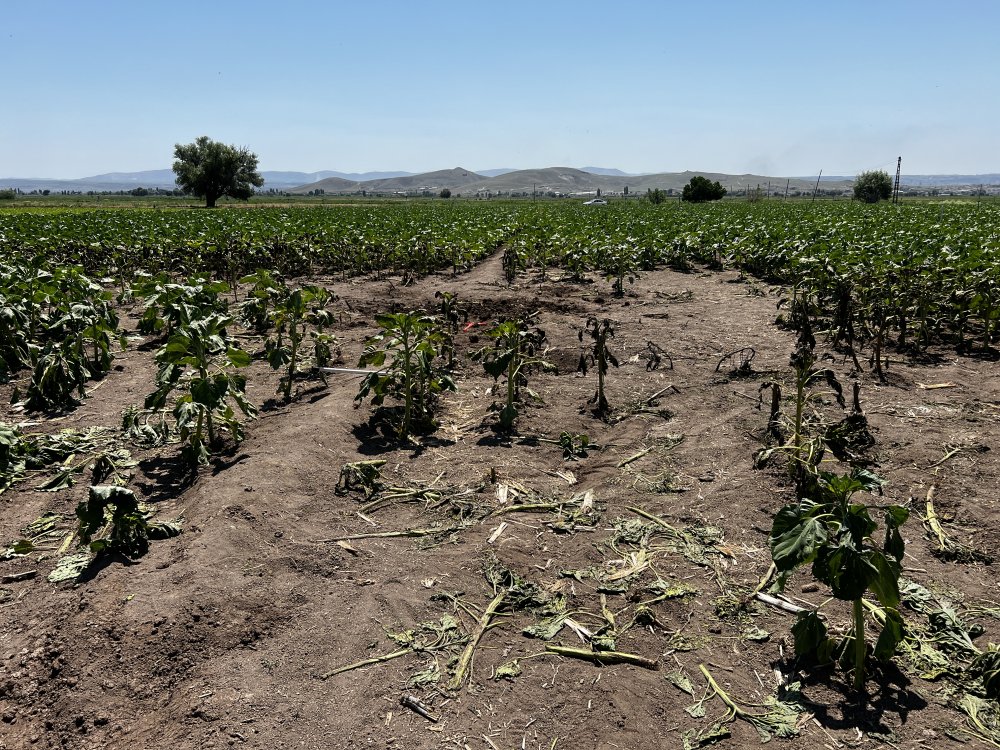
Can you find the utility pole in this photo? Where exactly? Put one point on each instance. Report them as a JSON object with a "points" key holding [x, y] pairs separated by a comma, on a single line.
{"points": [[895, 187], [816, 189]]}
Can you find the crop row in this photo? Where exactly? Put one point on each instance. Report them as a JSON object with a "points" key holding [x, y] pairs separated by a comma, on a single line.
{"points": [[872, 277], [296, 242]]}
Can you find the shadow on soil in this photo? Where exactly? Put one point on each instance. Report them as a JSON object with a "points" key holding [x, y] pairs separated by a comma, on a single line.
{"points": [[221, 464], [168, 477], [378, 436], [309, 395], [887, 692], [102, 563]]}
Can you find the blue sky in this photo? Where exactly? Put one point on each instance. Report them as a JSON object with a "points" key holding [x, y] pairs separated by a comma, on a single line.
{"points": [[780, 88]]}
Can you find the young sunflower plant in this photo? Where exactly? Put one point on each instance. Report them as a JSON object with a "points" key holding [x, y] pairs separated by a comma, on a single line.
{"points": [[406, 352], [835, 535], [516, 349], [198, 364]]}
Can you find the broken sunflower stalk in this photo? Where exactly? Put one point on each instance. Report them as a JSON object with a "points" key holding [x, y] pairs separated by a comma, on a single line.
{"points": [[62, 457], [363, 476], [696, 544], [945, 547], [581, 509], [485, 623], [391, 495], [510, 592], [982, 720], [429, 637], [602, 658], [780, 717], [42, 534], [440, 531]]}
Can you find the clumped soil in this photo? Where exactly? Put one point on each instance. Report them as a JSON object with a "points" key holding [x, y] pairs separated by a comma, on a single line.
{"points": [[218, 637]]}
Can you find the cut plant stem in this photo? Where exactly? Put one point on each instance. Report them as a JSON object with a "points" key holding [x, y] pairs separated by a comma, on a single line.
{"points": [[497, 532], [766, 578], [603, 657], [527, 508], [657, 520], [24, 575], [634, 457], [660, 393], [348, 370], [933, 524], [944, 544], [366, 663], [417, 707], [736, 710], [650, 517], [390, 534], [953, 452], [465, 660], [779, 603]]}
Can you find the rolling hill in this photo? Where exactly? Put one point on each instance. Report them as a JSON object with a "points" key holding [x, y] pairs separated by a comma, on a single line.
{"points": [[164, 179], [561, 180], [453, 179], [569, 181]]}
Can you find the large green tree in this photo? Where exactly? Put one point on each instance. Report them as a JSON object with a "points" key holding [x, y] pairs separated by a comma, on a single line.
{"points": [[701, 189], [872, 187], [210, 170]]}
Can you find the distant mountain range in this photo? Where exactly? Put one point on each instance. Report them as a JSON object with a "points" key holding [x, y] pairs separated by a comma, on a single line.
{"points": [[560, 180], [563, 180], [164, 179]]}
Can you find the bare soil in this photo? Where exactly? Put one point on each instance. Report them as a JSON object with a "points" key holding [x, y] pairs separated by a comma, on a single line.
{"points": [[218, 637]]}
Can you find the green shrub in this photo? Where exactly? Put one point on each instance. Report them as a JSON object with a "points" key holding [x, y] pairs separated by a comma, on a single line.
{"points": [[872, 187], [701, 190]]}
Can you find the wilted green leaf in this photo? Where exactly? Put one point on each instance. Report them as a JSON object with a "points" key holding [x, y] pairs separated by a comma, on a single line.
{"points": [[423, 678], [986, 667], [694, 739], [70, 567], [681, 681], [756, 634], [508, 671], [546, 629]]}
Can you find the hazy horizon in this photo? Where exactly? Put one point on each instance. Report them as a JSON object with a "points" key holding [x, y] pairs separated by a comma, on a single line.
{"points": [[784, 89], [826, 175]]}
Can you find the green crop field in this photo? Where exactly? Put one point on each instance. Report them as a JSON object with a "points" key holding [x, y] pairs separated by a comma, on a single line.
{"points": [[921, 273]]}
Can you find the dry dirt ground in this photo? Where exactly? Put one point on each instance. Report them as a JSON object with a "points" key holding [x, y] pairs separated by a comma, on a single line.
{"points": [[219, 637]]}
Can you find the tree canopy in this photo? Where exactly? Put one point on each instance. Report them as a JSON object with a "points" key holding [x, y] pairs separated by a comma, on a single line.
{"points": [[872, 187], [210, 170], [701, 189]]}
